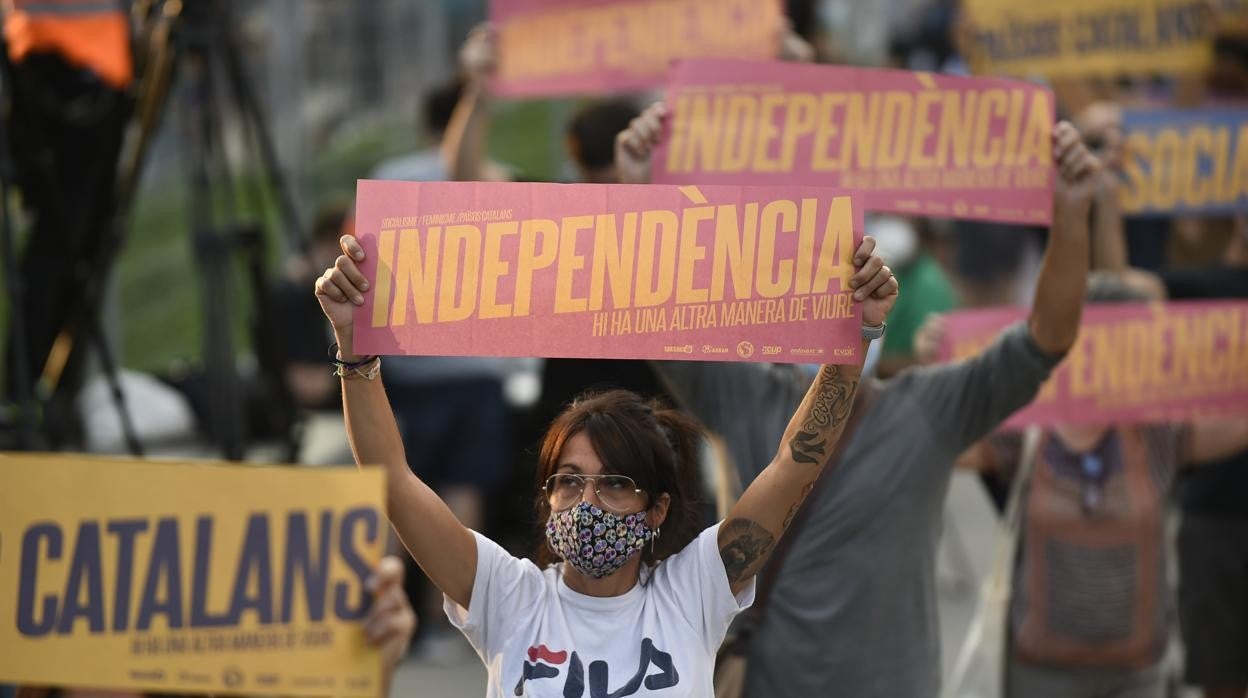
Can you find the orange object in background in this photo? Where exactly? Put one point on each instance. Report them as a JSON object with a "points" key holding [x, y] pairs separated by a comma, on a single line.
{"points": [[92, 34]]}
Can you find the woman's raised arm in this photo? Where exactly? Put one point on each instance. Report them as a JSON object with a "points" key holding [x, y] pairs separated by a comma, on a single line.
{"points": [[767, 507], [439, 543]]}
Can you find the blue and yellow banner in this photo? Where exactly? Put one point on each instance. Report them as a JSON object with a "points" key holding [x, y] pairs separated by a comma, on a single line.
{"points": [[179, 578], [1186, 162]]}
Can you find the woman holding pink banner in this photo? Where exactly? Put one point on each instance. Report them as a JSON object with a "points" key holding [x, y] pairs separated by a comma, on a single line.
{"points": [[642, 599]]}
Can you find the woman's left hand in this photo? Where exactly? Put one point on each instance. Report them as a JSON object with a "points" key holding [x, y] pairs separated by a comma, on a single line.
{"points": [[873, 284]]}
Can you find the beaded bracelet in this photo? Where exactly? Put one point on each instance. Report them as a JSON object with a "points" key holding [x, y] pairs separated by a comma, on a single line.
{"points": [[370, 373], [333, 357]]}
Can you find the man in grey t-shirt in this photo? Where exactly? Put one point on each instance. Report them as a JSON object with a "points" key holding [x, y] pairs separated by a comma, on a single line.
{"points": [[854, 608], [853, 611]]}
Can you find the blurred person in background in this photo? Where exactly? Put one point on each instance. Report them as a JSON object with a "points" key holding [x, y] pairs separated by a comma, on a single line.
{"points": [[1141, 243], [590, 142], [428, 164], [1213, 550], [928, 288], [870, 630], [1213, 535], [924, 40], [1090, 611], [1101, 126], [995, 263], [589, 137], [298, 325], [1212, 544], [983, 285], [590, 134]]}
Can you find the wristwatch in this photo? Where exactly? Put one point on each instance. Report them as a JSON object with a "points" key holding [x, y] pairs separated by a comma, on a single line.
{"points": [[870, 332]]}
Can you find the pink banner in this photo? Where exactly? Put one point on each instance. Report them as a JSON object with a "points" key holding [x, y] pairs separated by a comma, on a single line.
{"points": [[911, 143], [1164, 362], [560, 47], [712, 273]]}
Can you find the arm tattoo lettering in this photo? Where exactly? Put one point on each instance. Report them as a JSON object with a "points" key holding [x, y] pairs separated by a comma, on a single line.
{"points": [[833, 398], [743, 545]]}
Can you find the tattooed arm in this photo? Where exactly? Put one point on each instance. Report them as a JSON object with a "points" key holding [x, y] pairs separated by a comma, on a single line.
{"points": [[768, 506]]}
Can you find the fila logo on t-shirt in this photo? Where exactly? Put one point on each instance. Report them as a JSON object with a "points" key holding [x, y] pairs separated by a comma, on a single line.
{"points": [[543, 663]]}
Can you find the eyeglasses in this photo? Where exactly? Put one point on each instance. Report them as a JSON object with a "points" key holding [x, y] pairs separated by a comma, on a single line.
{"points": [[616, 492]]}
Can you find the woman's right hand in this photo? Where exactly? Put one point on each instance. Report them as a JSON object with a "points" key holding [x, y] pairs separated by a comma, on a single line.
{"points": [[341, 288]]}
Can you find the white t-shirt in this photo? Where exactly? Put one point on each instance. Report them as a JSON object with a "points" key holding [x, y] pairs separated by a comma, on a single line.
{"points": [[538, 637]]}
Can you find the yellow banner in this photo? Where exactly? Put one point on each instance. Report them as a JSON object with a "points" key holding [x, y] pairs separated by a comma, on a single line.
{"points": [[1065, 38], [183, 578]]}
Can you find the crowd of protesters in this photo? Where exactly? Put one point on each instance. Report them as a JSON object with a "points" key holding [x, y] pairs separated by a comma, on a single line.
{"points": [[1091, 609], [655, 492]]}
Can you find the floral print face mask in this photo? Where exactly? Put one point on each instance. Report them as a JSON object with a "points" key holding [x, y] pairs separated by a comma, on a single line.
{"points": [[594, 541]]}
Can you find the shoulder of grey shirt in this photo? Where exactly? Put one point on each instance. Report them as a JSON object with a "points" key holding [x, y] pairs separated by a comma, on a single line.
{"points": [[964, 400]]}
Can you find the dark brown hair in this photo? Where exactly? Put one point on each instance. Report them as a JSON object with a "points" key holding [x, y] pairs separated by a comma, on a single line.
{"points": [[327, 224], [592, 131], [654, 445]]}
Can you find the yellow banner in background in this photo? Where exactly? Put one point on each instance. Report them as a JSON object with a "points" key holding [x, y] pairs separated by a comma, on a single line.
{"points": [[187, 578], [1071, 38], [1232, 16]]}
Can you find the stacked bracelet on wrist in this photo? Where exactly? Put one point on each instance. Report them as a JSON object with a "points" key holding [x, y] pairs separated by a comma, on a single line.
{"points": [[367, 367]]}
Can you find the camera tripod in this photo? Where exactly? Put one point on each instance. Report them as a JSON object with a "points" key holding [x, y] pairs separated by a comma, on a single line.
{"points": [[188, 48]]}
